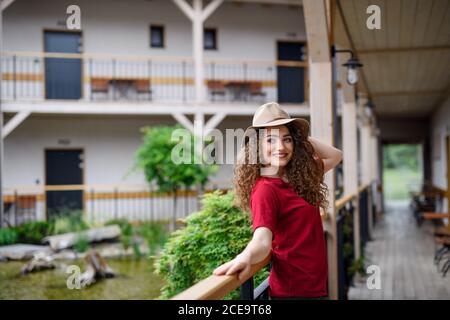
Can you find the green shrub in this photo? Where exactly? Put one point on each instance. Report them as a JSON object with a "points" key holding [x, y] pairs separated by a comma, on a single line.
{"points": [[211, 237], [33, 232], [155, 235], [81, 243], [127, 231], [68, 221], [8, 236]]}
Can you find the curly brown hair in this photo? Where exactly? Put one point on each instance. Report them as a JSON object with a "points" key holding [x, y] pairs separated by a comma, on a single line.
{"points": [[305, 174]]}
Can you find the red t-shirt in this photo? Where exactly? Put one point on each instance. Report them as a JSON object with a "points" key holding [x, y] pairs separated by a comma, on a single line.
{"points": [[299, 257]]}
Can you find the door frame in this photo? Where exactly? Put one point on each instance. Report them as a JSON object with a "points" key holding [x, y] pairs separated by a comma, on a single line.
{"points": [[83, 174], [80, 32], [306, 65]]}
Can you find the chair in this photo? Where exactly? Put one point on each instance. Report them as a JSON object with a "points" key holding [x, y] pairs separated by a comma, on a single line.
{"points": [[142, 87], [216, 88], [255, 89], [99, 86]]}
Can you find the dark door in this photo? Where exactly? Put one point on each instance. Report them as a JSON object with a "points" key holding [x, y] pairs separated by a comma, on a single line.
{"points": [[62, 76], [63, 167], [291, 81]]}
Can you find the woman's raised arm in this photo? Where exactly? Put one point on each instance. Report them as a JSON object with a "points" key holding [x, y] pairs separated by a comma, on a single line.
{"points": [[329, 154]]}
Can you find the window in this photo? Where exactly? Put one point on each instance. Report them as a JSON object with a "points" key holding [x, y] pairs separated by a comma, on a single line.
{"points": [[157, 36], [210, 39]]}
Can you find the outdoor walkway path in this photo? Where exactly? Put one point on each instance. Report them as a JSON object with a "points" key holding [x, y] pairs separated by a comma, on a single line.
{"points": [[404, 253]]}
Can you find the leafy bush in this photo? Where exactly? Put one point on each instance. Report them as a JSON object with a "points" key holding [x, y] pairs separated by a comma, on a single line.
{"points": [[358, 266], [68, 221], [212, 236], [81, 243], [33, 232], [8, 236], [155, 235], [127, 231]]}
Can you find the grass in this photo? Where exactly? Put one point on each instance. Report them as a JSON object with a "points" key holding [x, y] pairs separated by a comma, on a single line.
{"points": [[397, 183]]}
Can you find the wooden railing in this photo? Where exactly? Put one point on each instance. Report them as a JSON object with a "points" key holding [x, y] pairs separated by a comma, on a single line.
{"points": [[217, 287]]}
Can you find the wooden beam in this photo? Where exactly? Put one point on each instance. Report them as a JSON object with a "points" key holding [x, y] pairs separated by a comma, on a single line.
{"points": [[407, 93], [400, 50], [5, 4], [317, 30], [14, 122], [184, 121], [321, 102], [350, 151]]}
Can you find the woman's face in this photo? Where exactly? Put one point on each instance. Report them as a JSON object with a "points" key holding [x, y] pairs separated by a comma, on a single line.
{"points": [[277, 147]]}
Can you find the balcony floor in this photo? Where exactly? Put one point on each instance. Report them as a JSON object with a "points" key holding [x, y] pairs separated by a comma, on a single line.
{"points": [[404, 254]]}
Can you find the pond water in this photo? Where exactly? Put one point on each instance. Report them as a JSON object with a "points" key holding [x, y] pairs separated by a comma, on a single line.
{"points": [[134, 279]]}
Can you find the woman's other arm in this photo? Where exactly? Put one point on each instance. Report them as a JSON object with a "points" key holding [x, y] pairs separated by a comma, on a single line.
{"points": [[257, 250], [329, 154]]}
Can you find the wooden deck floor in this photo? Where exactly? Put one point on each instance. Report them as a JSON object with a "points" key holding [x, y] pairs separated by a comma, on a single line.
{"points": [[404, 254]]}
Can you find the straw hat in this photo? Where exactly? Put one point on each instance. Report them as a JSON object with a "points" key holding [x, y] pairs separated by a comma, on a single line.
{"points": [[271, 115]]}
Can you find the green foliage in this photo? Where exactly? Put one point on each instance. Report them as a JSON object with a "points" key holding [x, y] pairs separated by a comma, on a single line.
{"points": [[81, 242], [155, 235], [358, 266], [33, 232], [126, 231], [402, 156], [8, 236], [68, 221], [155, 158], [212, 236]]}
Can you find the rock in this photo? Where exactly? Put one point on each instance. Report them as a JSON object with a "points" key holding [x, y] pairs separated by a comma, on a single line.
{"points": [[22, 251], [40, 261], [96, 268], [67, 240]]}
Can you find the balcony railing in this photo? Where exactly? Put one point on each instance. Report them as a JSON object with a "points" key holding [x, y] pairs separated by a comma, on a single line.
{"points": [[99, 203], [93, 77]]}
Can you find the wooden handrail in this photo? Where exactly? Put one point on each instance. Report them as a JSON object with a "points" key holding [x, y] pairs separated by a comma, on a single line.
{"points": [[340, 203], [362, 187], [216, 287]]}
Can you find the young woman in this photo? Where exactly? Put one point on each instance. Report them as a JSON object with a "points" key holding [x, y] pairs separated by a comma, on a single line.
{"points": [[284, 190]]}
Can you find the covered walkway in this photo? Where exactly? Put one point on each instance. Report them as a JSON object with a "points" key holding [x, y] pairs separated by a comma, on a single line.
{"points": [[404, 254]]}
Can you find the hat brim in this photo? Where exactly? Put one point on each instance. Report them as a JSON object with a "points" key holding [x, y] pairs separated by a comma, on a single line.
{"points": [[302, 124]]}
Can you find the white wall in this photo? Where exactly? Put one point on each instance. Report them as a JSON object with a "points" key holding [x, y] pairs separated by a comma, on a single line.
{"points": [[121, 27], [440, 129], [109, 145]]}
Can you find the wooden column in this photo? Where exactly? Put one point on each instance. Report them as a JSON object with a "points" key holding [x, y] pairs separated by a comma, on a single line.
{"points": [[320, 72], [197, 14], [366, 160], [350, 150]]}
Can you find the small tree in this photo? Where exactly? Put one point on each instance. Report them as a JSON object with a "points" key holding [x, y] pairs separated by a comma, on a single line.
{"points": [[212, 236], [155, 158]]}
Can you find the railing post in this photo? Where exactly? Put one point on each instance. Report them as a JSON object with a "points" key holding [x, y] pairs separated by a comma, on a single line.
{"points": [[16, 207], [14, 77], [247, 290], [115, 203], [149, 71], [90, 78], [92, 204], [183, 70], [113, 79]]}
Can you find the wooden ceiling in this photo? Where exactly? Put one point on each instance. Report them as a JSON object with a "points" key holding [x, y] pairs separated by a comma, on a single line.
{"points": [[407, 63]]}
